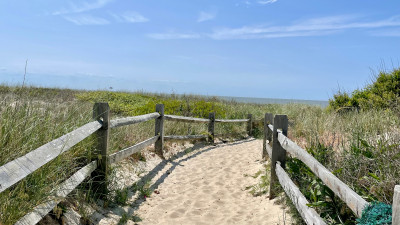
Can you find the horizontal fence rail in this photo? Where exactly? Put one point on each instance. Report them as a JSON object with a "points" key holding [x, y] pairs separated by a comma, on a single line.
{"points": [[122, 154], [275, 134], [355, 202], [231, 121], [186, 119], [21, 167], [309, 215], [18, 169], [132, 120], [61, 192], [182, 138]]}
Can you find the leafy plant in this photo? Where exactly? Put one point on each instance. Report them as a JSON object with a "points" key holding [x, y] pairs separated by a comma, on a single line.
{"points": [[383, 93], [121, 196], [330, 207]]}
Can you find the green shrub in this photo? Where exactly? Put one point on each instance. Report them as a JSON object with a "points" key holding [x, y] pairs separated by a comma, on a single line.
{"points": [[383, 93]]}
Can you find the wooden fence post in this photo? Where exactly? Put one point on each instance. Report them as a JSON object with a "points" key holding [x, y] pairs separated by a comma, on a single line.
{"points": [[250, 124], [101, 112], [159, 130], [268, 119], [278, 153], [396, 206], [211, 126]]}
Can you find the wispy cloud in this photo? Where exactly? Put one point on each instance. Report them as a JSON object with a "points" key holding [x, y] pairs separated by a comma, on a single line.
{"points": [[312, 27], [130, 17], [173, 35], [266, 2], [82, 7], [86, 20], [205, 16]]}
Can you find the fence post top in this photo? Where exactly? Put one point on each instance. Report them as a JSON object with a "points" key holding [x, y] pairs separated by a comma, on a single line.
{"points": [[101, 103], [269, 118], [280, 119], [160, 109]]}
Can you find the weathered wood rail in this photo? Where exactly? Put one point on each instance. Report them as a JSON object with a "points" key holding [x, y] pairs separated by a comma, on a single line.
{"points": [[16, 170], [276, 145]]}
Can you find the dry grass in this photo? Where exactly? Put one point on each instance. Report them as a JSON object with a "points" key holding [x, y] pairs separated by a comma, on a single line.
{"points": [[31, 117]]}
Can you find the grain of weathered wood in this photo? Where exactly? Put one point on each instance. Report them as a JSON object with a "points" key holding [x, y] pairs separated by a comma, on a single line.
{"points": [[344, 192], [182, 138], [133, 119], [268, 119], [231, 121], [250, 124], [59, 194], [159, 131], [120, 155], [101, 112], [278, 153], [211, 126], [309, 215], [186, 119], [396, 206], [231, 134], [16, 170]]}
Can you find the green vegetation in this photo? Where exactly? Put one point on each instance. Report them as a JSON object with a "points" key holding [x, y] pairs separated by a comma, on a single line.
{"points": [[383, 93], [262, 187], [360, 147], [133, 104]]}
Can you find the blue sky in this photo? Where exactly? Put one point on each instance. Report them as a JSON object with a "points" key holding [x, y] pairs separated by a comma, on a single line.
{"points": [[256, 48]]}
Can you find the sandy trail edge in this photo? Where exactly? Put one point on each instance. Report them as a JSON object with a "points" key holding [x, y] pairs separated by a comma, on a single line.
{"points": [[208, 186]]}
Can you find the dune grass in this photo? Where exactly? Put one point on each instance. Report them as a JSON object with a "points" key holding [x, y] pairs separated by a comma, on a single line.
{"points": [[360, 147]]}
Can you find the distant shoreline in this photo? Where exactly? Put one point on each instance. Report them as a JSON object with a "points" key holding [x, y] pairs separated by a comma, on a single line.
{"points": [[274, 100]]}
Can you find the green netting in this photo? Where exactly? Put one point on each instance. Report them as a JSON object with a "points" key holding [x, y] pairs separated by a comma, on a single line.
{"points": [[376, 213]]}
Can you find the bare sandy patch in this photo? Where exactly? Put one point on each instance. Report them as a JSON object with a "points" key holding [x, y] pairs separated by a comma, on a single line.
{"points": [[208, 186]]}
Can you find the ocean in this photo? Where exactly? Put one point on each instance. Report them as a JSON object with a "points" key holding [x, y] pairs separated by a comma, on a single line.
{"points": [[274, 101]]}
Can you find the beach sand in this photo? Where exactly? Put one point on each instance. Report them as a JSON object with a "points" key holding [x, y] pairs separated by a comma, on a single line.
{"points": [[208, 186]]}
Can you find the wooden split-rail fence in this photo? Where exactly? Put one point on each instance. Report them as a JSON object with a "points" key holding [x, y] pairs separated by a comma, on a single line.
{"points": [[18, 169], [276, 145]]}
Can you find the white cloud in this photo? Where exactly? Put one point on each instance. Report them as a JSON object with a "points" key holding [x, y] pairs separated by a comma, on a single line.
{"points": [[86, 20], [82, 7], [130, 17], [205, 16], [173, 35], [312, 27], [266, 2]]}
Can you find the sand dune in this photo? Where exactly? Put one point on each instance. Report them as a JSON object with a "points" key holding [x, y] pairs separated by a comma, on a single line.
{"points": [[208, 186]]}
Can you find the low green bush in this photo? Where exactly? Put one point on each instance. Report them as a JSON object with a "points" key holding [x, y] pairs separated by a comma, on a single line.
{"points": [[383, 93]]}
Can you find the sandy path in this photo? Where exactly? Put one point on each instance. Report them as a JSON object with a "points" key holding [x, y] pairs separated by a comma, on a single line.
{"points": [[207, 186]]}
